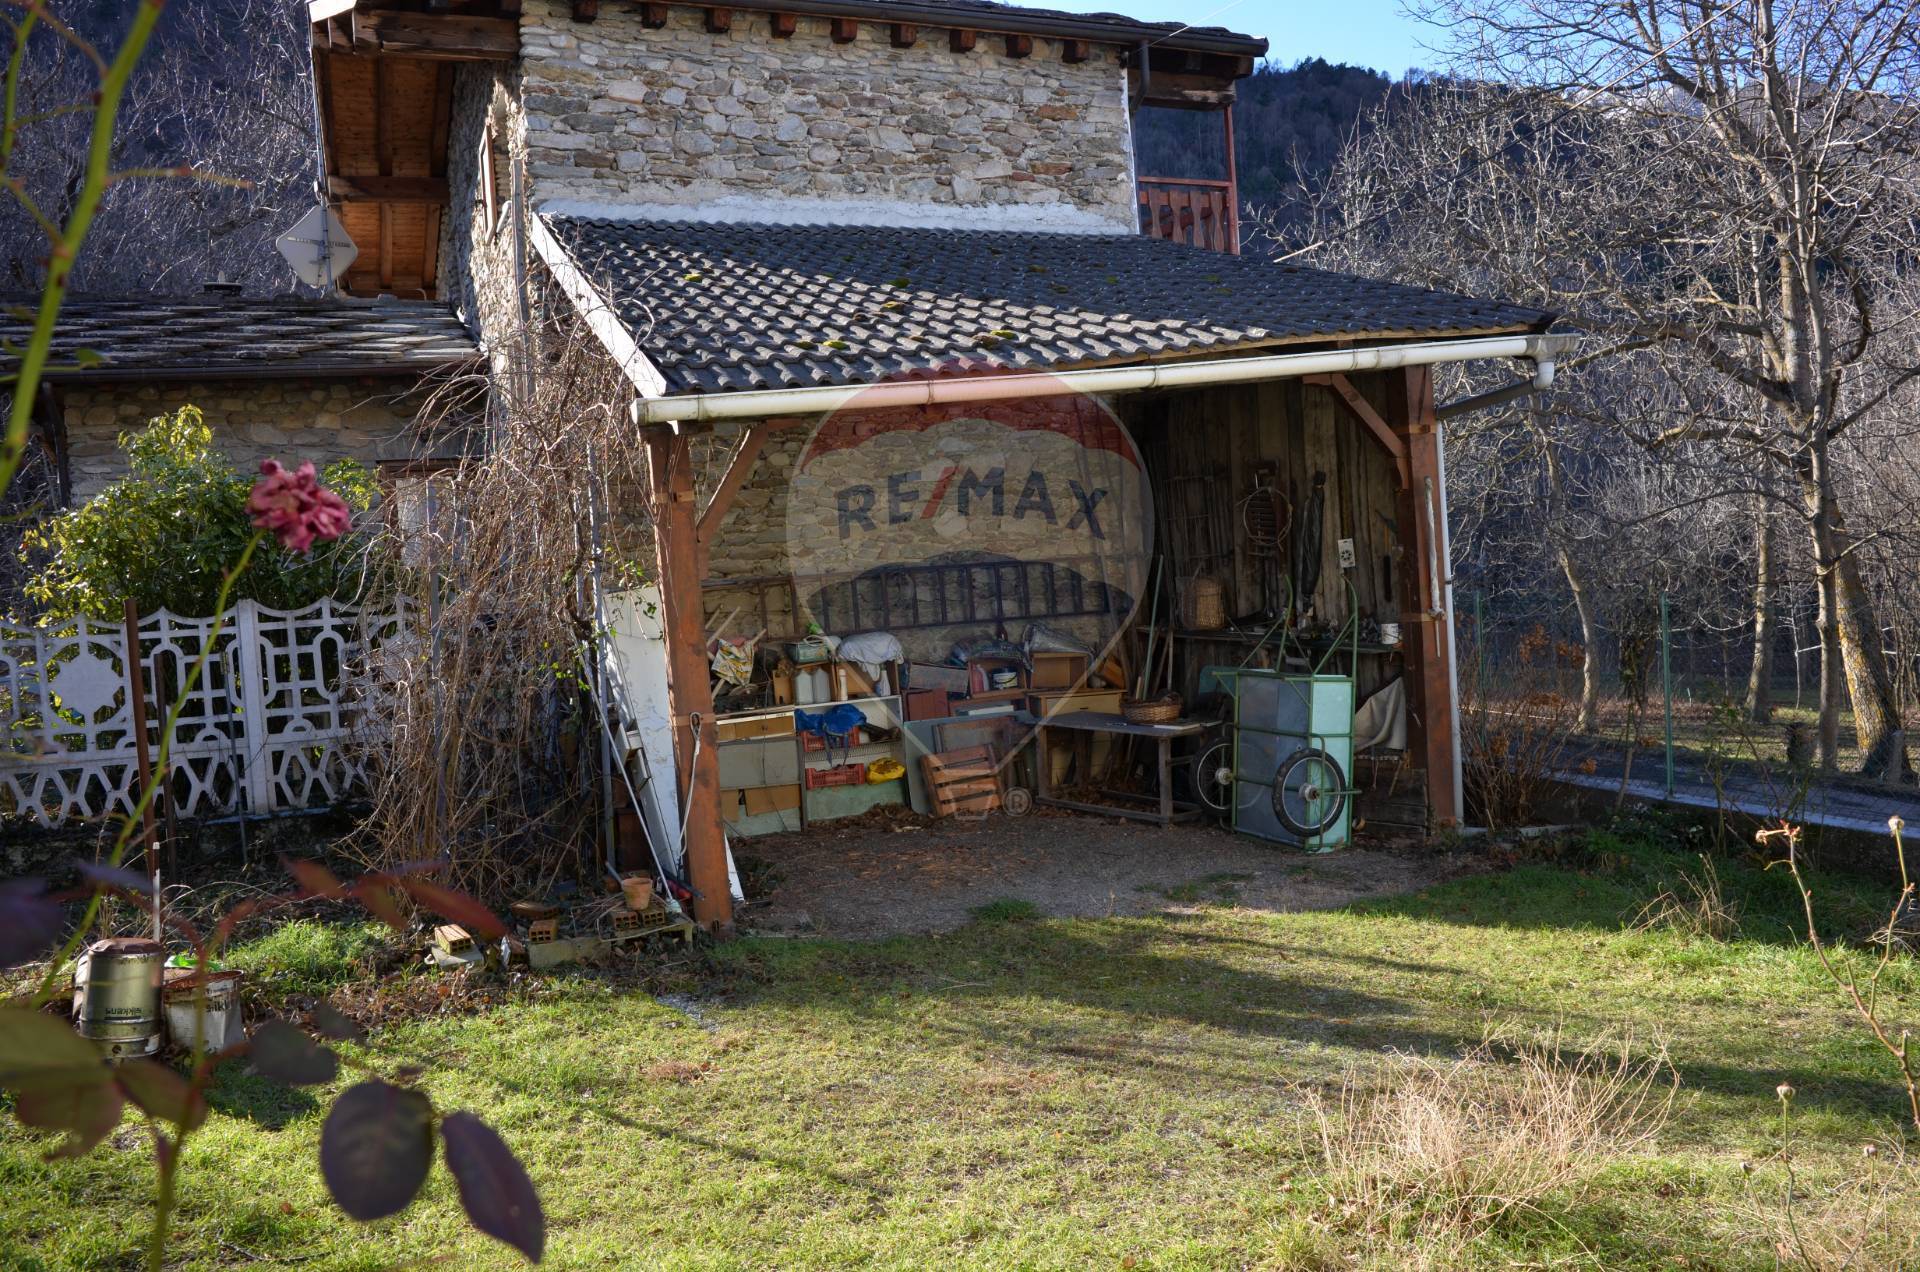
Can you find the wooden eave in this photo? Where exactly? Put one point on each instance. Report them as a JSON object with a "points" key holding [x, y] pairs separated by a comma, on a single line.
{"points": [[383, 73]]}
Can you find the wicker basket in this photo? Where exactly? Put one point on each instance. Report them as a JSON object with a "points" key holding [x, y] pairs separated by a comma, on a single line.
{"points": [[1206, 604], [1155, 711]]}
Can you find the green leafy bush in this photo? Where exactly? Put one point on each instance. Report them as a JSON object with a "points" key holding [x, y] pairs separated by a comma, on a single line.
{"points": [[166, 532]]}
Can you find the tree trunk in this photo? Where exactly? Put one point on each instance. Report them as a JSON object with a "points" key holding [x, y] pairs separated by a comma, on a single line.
{"points": [[1589, 647], [1760, 678], [1850, 643]]}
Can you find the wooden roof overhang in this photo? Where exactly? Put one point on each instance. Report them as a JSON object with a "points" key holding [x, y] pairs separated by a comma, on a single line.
{"points": [[383, 73], [1192, 68]]}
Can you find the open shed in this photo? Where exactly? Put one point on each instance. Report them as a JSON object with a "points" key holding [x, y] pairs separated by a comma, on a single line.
{"points": [[1283, 418]]}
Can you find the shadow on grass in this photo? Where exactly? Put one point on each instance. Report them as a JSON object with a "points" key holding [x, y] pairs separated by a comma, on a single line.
{"points": [[270, 1105]]}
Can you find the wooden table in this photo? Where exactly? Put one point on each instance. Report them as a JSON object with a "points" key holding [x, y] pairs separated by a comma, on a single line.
{"points": [[1169, 810]]}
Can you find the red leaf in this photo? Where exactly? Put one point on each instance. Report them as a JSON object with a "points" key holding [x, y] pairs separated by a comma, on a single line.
{"points": [[494, 1187], [29, 920], [105, 876], [379, 898], [458, 906], [375, 1149], [334, 1024], [163, 1093], [314, 877], [87, 1114], [284, 1054], [39, 1052]]}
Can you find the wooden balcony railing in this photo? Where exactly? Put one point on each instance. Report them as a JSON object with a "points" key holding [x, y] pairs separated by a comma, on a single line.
{"points": [[1200, 213]]}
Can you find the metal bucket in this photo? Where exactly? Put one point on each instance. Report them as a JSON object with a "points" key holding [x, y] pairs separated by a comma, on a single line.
{"points": [[116, 995], [220, 1028]]}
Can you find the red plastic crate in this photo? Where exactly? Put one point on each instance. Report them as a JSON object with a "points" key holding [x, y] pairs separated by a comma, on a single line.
{"points": [[838, 775]]}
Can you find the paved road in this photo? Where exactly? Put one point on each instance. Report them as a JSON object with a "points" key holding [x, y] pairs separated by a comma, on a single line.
{"points": [[1757, 790]]}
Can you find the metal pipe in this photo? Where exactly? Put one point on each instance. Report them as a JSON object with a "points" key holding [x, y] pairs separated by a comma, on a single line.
{"points": [[1666, 683], [1539, 382], [993, 386]]}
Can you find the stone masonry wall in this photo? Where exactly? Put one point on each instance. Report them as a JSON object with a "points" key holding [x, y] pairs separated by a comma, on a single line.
{"points": [[366, 420], [476, 250], [618, 113]]}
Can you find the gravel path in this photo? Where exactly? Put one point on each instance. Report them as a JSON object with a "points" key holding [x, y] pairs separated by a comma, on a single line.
{"points": [[873, 879]]}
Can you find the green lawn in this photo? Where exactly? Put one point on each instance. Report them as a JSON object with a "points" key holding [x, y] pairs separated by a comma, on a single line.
{"points": [[1080, 1093]]}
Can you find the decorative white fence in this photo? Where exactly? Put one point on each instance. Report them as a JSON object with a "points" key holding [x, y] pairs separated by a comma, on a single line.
{"points": [[264, 730]]}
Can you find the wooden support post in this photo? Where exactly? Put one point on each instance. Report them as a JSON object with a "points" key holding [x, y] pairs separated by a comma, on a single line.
{"points": [[676, 533], [1427, 595]]}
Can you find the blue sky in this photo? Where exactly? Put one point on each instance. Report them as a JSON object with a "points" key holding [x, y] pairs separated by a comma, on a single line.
{"points": [[1374, 33]]}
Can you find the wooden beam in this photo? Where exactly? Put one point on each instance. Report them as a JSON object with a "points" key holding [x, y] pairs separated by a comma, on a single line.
{"points": [[382, 120], [1426, 597], [430, 261], [1075, 50], [961, 40], [456, 37], [1377, 427], [689, 693], [585, 10], [905, 35], [784, 25], [388, 189], [719, 19], [843, 30], [442, 121], [386, 246], [1179, 90], [1019, 46], [739, 469], [653, 15]]}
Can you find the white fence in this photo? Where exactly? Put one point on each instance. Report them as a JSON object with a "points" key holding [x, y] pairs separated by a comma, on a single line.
{"points": [[264, 730]]}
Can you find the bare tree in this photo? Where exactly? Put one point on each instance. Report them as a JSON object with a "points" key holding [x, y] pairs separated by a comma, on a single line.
{"points": [[225, 91], [1726, 191]]}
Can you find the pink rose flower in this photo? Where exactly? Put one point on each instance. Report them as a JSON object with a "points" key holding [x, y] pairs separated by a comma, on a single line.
{"points": [[296, 507]]}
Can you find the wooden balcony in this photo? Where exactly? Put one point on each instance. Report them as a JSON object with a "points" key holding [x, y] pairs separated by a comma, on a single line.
{"points": [[1192, 211]]}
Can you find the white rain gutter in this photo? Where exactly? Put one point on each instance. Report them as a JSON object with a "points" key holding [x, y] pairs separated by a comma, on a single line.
{"points": [[691, 408]]}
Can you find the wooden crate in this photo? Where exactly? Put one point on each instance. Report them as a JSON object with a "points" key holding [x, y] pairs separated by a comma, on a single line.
{"points": [[1058, 671], [963, 781], [1106, 700]]}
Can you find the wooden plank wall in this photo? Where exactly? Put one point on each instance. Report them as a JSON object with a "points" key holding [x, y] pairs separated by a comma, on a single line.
{"points": [[386, 118], [1226, 433]]}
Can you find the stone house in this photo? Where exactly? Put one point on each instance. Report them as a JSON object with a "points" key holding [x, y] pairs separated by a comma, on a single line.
{"points": [[805, 230], [813, 234]]}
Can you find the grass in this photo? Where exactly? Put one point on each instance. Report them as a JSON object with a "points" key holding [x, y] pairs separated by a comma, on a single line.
{"points": [[306, 956], [1154, 1092]]}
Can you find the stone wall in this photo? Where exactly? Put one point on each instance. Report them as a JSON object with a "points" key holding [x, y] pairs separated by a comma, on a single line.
{"points": [[367, 420], [618, 113], [477, 243]]}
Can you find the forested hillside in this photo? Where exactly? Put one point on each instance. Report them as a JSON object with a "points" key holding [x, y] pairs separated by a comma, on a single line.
{"points": [[1289, 122]]}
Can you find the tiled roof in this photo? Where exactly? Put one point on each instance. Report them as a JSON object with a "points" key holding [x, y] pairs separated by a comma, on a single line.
{"points": [[218, 336], [719, 307]]}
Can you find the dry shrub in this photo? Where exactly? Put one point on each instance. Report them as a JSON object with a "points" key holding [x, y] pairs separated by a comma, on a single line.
{"points": [[1513, 740], [1695, 907], [482, 747], [1864, 1220], [1442, 1150]]}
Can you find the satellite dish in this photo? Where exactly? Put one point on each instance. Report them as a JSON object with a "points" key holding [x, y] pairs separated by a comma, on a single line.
{"points": [[319, 248]]}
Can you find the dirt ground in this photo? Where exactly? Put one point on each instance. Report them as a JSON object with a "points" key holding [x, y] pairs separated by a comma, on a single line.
{"points": [[873, 879]]}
